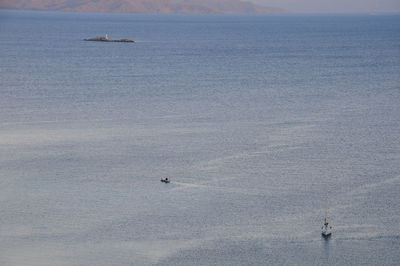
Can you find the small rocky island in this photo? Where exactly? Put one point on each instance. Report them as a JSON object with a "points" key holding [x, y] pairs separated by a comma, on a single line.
{"points": [[105, 39]]}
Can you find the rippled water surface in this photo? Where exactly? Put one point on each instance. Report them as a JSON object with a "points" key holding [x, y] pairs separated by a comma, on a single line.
{"points": [[260, 122]]}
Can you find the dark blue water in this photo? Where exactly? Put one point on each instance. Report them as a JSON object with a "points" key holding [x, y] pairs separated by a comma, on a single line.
{"points": [[260, 121]]}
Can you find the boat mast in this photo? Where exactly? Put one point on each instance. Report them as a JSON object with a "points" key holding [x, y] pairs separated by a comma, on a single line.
{"points": [[326, 207], [326, 212]]}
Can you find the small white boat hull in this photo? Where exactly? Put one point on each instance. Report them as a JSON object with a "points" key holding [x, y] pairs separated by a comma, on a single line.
{"points": [[326, 234]]}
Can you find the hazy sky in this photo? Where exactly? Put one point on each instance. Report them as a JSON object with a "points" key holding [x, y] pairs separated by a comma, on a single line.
{"points": [[334, 6]]}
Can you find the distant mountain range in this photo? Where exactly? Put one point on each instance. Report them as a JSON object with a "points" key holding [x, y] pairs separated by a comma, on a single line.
{"points": [[144, 6]]}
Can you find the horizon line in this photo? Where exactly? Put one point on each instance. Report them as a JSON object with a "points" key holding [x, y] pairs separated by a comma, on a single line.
{"points": [[287, 13]]}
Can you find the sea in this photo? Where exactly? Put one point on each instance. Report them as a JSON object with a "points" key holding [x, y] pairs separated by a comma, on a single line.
{"points": [[264, 124]]}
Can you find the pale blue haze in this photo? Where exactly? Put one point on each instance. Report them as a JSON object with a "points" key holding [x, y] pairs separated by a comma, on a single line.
{"points": [[255, 119], [335, 6]]}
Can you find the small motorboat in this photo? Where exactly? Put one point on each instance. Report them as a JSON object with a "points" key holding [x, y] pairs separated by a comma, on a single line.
{"points": [[165, 180], [326, 229]]}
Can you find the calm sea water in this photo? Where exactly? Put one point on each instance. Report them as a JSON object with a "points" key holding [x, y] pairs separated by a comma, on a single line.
{"points": [[261, 122]]}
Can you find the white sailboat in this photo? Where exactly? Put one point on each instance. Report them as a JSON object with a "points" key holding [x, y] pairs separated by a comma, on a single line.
{"points": [[326, 228]]}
